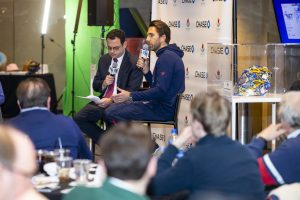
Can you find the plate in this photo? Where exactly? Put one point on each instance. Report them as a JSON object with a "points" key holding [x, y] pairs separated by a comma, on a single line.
{"points": [[50, 168]]}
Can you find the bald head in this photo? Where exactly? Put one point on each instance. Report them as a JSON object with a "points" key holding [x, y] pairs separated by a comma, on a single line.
{"points": [[289, 111], [33, 92]]}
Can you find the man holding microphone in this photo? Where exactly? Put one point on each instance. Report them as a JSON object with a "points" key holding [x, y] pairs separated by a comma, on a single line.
{"points": [[166, 81], [117, 68]]}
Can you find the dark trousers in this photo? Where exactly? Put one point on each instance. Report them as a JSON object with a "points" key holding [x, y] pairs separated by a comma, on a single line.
{"points": [[87, 119], [138, 110]]}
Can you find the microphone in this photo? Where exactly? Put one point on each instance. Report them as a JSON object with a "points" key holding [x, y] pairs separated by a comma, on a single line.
{"points": [[113, 69], [144, 52]]}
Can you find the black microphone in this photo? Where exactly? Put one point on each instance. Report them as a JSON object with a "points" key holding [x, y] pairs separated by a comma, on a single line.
{"points": [[113, 69], [144, 52]]}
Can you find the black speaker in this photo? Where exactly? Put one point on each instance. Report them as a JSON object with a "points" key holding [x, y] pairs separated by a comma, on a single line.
{"points": [[100, 12]]}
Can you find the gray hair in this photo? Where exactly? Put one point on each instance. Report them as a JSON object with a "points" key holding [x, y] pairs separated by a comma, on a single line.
{"points": [[213, 111], [289, 111]]}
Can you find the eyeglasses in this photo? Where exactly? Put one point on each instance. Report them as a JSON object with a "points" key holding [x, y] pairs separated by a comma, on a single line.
{"points": [[117, 48]]}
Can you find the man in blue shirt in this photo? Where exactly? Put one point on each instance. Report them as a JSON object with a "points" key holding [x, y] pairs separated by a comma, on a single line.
{"points": [[43, 127], [166, 81]]}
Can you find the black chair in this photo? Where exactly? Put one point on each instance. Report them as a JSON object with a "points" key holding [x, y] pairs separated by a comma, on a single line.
{"points": [[173, 122]]}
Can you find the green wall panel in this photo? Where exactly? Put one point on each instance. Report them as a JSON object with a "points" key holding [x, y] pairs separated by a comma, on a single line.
{"points": [[83, 53]]}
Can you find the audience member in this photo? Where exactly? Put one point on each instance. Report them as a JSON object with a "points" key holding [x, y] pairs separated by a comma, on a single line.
{"points": [[167, 80], [17, 165], [282, 165], [286, 192], [43, 127], [128, 162], [216, 164], [125, 76]]}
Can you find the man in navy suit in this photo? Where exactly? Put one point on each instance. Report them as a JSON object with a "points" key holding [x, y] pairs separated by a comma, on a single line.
{"points": [[116, 69], [43, 127]]}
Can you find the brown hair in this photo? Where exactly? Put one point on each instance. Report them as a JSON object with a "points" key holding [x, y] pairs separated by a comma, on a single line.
{"points": [[33, 92], [7, 149], [127, 149], [162, 29], [213, 111]]}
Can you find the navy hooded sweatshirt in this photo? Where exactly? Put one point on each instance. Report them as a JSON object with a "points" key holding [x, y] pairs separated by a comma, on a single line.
{"points": [[167, 79]]}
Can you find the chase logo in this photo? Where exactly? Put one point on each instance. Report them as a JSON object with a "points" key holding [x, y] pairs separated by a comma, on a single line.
{"points": [[188, 48], [226, 50], [188, 1], [203, 24], [199, 74], [174, 24], [219, 50], [163, 2], [188, 97]]}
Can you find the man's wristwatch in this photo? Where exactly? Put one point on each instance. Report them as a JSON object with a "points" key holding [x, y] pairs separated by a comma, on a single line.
{"points": [[263, 139]]}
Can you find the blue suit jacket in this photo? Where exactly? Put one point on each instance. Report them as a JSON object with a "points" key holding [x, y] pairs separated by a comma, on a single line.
{"points": [[44, 128]]}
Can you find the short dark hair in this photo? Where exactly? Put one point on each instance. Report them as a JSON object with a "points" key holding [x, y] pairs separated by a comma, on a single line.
{"points": [[162, 28], [116, 33], [213, 111], [127, 149], [33, 92]]}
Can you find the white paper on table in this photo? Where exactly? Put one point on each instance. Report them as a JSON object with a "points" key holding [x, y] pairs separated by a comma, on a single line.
{"points": [[93, 98]]}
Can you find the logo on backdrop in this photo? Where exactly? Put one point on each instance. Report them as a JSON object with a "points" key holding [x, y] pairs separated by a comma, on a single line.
{"points": [[163, 2], [174, 24], [218, 75], [158, 136], [226, 50], [199, 74], [202, 50], [218, 27], [188, 97], [203, 24], [188, 23], [187, 73], [188, 48], [219, 50], [186, 121], [188, 1]]}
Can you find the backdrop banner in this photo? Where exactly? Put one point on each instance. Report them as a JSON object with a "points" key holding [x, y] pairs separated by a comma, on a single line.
{"points": [[194, 24]]}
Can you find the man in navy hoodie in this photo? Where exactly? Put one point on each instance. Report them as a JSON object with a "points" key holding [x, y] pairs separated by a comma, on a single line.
{"points": [[166, 81]]}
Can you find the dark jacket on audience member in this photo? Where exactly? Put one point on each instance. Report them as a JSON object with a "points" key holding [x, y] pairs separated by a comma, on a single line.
{"points": [[214, 165], [44, 128]]}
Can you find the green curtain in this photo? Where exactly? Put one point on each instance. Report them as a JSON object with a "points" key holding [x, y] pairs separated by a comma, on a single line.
{"points": [[83, 53]]}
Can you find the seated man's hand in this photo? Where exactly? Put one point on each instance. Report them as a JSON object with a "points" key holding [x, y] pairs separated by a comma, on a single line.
{"points": [[105, 102], [143, 64], [272, 132], [108, 80], [185, 137], [121, 97]]}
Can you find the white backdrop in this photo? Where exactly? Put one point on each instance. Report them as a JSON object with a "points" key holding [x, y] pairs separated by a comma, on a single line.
{"points": [[193, 23]]}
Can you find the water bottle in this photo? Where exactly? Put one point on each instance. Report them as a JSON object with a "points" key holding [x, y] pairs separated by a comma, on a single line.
{"points": [[173, 135]]}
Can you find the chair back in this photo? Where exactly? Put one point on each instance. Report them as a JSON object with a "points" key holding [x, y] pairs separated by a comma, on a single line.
{"points": [[177, 107]]}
